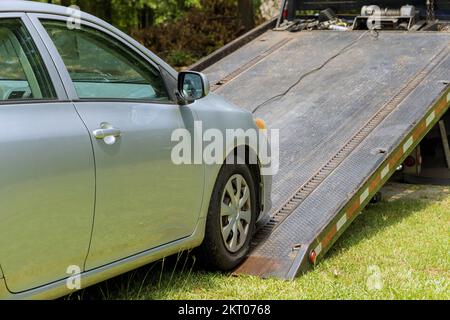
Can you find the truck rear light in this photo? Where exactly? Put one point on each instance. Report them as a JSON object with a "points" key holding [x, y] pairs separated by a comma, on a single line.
{"points": [[312, 257], [409, 161], [285, 13]]}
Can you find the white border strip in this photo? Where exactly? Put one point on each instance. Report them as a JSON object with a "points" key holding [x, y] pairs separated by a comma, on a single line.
{"points": [[364, 196], [408, 144], [341, 222]]}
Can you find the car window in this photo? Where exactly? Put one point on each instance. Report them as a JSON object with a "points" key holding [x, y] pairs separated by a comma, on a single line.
{"points": [[102, 67], [22, 72]]}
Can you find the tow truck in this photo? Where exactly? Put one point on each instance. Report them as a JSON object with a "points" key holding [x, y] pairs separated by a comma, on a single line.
{"points": [[360, 92]]}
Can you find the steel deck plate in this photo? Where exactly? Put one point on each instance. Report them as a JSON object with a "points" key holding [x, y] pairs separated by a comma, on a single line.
{"points": [[322, 112]]}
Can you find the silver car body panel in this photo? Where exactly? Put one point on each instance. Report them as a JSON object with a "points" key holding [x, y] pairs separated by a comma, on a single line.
{"points": [[47, 192], [143, 199], [59, 288]]}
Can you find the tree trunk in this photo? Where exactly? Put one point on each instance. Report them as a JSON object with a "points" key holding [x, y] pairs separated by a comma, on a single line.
{"points": [[108, 11], [246, 14], [146, 17]]}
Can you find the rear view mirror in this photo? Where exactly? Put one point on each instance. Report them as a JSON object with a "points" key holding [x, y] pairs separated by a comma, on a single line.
{"points": [[192, 86]]}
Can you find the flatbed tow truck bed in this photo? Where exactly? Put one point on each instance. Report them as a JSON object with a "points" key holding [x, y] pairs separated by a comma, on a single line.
{"points": [[350, 107]]}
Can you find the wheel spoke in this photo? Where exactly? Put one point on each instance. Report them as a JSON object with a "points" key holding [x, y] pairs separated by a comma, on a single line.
{"points": [[226, 230], [245, 197], [246, 215], [241, 231], [238, 187], [230, 191], [234, 239], [226, 210]]}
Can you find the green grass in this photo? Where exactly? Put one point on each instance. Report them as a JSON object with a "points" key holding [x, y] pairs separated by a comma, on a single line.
{"points": [[396, 249]]}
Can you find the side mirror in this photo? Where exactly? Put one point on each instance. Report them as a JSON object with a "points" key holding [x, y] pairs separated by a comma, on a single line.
{"points": [[191, 86]]}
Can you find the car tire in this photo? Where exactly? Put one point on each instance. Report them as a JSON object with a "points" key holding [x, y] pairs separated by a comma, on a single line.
{"points": [[219, 251]]}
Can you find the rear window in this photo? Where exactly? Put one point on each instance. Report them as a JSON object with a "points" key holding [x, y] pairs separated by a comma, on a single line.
{"points": [[23, 75]]}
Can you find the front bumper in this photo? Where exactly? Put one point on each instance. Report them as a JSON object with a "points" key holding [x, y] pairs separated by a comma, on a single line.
{"points": [[266, 200]]}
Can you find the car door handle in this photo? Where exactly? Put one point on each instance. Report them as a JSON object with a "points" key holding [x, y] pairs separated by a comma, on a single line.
{"points": [[107, 132]]}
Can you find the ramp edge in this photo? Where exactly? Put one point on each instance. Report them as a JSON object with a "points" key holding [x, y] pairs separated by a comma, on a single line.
{"points": [[309, 255], [305, 190], [325, 239]]}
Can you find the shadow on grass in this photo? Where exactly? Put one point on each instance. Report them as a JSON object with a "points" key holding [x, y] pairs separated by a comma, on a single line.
{"points": [[182, 272]]}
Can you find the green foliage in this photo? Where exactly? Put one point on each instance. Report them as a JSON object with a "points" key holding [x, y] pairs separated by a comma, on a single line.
{"points": [[195, 34], [171, 9], [125, 14], [180, 58]]}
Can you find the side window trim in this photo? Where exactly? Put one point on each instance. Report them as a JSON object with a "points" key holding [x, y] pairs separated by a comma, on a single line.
{"points": [[27, 69], [49, 66], [66, 79]]}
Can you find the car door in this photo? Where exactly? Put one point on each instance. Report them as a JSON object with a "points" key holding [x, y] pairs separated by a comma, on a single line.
{"points": [[46, 165], [143, 200]]}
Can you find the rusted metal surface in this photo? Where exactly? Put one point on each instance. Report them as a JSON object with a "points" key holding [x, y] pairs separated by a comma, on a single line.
{"points": [[258, 266]]}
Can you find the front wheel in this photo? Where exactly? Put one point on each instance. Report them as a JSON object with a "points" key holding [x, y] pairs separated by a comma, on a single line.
{"points": [[231, 218]]}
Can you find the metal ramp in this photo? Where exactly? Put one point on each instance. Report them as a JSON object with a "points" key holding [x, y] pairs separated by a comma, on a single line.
{"points": [[350, 107]]}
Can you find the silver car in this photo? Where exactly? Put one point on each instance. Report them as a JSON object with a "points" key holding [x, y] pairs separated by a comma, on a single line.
{"points": [[88, 185]]}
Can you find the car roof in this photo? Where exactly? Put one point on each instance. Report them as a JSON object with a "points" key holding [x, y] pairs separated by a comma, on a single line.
{"points": [[41, 7]]}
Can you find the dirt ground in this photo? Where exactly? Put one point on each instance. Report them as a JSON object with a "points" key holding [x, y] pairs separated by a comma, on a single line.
{"points": [[400, 191]]}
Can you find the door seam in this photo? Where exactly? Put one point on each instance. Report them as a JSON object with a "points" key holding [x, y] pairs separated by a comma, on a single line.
{"points": [[95, 187]]}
